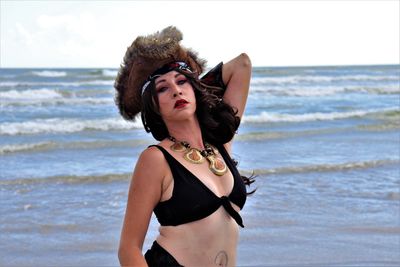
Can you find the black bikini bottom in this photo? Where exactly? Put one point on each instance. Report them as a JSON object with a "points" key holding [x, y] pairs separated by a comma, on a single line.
{"points": [[157, 256]]}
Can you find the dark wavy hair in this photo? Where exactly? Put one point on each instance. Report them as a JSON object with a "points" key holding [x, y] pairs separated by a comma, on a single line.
{"points": [[218, 120]]}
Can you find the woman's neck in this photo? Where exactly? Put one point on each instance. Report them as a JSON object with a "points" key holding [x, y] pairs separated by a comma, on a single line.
{"points": [[188, 131]]}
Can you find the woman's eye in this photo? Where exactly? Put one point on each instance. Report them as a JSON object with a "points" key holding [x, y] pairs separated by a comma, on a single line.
{"points": [[180, 82], [161, 89]]}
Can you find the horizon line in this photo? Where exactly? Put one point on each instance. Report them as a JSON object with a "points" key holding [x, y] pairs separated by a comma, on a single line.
{"points": [[258, 66]]}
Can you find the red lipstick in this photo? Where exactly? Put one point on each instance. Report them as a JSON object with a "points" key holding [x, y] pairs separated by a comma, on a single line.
{"points": [[180, 103]]}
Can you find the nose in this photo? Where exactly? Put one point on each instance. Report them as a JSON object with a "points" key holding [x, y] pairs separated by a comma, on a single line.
{"points": [[176, 91], [176, 94]]}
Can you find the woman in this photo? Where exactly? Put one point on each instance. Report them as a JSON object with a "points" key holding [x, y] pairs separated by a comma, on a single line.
{"points": [[188, 179]]}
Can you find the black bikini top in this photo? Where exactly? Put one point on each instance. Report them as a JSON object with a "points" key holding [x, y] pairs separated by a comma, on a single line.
{"points": [[192, 200]]}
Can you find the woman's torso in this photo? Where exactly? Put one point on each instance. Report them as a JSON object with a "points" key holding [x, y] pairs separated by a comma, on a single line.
{"points": [[208, 241]]}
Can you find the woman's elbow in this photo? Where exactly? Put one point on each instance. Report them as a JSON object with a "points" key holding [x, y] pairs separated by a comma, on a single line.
{"points": [[244, 60], [122, 255], [130, 256]]}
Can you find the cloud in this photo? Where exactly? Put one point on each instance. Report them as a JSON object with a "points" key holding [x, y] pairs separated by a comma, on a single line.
{"points": [[82, 26], [59, 38], [96, 33], [24, 35], [70, 34]]}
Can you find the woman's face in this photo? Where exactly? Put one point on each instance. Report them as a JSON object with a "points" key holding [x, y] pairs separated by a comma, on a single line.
{"points": [[175, 96]]}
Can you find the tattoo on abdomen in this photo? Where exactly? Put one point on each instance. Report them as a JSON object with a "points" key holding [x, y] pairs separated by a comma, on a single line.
{"points": [[221, 259]]}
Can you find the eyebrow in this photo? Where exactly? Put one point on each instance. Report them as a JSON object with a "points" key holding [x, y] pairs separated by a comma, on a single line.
{"points": [[163, 80]]}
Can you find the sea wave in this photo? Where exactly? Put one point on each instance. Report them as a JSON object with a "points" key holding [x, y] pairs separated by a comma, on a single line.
{"points": [[59, 125], [362, 229], [327, 167], [48, 73], [57, 101], [386, 125], [99, 73], [109, 73], [36, 94], [295, 79], [15, 148], [317, 116], [311, 91], [11, 84], [69, 179], [46, 97], [106, 178], [46, 146], [395, 89], [259, 136]]}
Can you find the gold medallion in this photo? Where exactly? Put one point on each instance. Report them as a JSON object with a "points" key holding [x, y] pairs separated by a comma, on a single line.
{"points": [[194, 156], [217, 166], [178, 147]]}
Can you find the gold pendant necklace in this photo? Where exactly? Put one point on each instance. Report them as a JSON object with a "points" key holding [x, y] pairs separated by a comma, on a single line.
{"points": [[196, 156]]}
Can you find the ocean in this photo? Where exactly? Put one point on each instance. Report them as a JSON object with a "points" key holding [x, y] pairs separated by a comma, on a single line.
{"points": [[324, 143]]}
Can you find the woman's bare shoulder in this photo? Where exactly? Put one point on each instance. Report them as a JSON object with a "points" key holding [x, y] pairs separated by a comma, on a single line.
{"points": [[152, 153], [151, 160]]}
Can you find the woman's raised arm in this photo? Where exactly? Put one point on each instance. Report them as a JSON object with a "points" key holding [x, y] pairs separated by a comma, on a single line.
{"points": [[236, 75]]}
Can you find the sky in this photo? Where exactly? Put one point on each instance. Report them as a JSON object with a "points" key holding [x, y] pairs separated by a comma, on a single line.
{"points": [[58, 34]]}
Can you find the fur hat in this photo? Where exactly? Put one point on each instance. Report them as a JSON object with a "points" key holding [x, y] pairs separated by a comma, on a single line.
{"points": [[144, 57]]}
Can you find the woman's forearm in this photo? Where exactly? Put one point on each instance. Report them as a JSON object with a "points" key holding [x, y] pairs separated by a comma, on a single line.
{"points": [[236, 75]]}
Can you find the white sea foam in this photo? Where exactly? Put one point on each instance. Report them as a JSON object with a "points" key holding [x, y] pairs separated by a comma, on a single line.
{"points": [[57, 101], [332, 90], [25, 147], [59, 125], [73, 179], [109, 73], [63, 84], [95, 82], [310, 91], [9, 84], [47, 146], [43, 93], [45, 97], [295, 79], [48, 73], [288, 79], [328, 167], [317, 116], [394, 89]]}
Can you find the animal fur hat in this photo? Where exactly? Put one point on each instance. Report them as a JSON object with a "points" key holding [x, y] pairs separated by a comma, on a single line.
{"points": [[144, 57]]}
